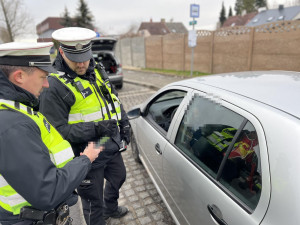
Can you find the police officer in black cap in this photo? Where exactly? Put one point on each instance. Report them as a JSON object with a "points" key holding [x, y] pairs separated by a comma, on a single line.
{"points": [[37, 170], [83, 106]]}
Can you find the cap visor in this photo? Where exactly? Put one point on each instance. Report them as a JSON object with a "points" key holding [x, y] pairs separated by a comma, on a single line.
{"points": [[48, 69], [80, 57]]}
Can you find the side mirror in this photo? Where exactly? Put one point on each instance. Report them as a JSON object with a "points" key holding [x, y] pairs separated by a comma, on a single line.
{"points": [[134, 113]]}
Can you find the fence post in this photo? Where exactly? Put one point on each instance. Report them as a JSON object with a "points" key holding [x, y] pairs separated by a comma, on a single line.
{"points": [[250, 51], [212, 52], [162, 52], [120, 49], [131, 52], [183, 61], [145, 53]]}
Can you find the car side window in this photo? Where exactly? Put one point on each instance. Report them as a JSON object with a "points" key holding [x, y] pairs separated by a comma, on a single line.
{"points": [[162, 109], [204, 135], [206, 132], [242, 171]]}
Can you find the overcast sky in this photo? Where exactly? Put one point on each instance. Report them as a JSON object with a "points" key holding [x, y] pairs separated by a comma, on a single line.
{"points": [[116, 16]]}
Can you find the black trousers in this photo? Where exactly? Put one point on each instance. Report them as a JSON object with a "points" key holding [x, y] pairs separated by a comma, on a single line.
{"points": [[91, 190]]}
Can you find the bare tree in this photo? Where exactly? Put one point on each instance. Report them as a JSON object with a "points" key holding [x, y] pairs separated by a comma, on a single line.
{"points": [[131, 32], [14, 20]]}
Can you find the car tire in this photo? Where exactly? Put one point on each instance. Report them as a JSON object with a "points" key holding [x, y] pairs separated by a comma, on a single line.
{"points": [[134, 148], [119, 86]]}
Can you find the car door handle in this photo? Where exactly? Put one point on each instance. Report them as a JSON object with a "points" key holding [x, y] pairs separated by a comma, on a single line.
{"points": [[216, 214], [157, 148]]}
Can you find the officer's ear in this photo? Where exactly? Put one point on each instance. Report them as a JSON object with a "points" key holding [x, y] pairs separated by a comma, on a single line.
{"points": [[61, 51], [17, 77]]}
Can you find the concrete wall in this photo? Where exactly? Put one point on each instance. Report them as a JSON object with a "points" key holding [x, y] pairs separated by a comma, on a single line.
{"points": [[173, 51], [275, 46], [138, 52], [153, 48], [125, 51], [202, 52]]}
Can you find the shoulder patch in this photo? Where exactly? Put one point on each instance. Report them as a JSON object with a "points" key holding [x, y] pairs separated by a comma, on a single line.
{"points": [[47, 125]]}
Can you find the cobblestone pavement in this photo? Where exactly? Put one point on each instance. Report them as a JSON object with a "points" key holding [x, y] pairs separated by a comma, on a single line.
{"points": [[138, 192]]}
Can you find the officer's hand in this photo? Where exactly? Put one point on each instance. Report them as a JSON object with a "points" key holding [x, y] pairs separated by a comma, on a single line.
{"points": [[106, 128], [92, 151], [125, 134]]}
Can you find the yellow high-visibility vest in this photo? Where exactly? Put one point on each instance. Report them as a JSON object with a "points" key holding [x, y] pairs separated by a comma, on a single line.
{"points": [[60, 152], [89, 104]]}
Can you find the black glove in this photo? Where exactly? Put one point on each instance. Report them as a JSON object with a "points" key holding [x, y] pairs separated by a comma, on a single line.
{"points": [[106, 128], [125, 133]]}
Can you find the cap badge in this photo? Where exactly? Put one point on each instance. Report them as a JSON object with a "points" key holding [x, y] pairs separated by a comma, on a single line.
{"points": [[78, 46]]}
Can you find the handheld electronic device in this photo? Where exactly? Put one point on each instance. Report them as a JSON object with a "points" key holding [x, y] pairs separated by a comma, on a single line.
{"points": [[101, 142]]}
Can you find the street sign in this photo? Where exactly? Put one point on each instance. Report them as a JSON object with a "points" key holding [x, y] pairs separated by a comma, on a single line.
{"points": [[194, 22], [194, 11], [192, 38]]}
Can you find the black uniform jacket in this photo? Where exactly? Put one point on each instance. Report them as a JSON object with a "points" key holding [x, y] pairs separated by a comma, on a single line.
{"points": [[56, 103], [25, 161]]}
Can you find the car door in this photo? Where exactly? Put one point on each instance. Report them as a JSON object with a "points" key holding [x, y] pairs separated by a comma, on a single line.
{"points": [[152, 129], [213, 174]]}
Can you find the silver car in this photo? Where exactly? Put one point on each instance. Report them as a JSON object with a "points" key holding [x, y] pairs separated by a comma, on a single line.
{"points": [[222, 149]]}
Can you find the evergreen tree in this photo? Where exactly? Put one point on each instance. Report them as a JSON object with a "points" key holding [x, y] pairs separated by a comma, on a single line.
{"points": [[249, 6], [260, 3], [222, 17], [66, 20], [238, 7], [84, 17], [230, 12]]}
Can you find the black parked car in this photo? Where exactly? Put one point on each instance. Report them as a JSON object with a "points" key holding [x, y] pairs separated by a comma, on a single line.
{"points": [[103, 51]]}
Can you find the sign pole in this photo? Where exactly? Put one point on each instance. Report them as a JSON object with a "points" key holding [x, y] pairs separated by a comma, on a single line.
{"points": [[194, 13], [192, 57]]}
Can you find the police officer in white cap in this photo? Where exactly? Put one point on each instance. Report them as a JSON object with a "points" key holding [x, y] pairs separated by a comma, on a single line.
{"points": [[37, 171], [83, 106]]}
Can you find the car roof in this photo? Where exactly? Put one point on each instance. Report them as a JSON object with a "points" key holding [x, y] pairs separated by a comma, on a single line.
{"points": [[279, 89]]}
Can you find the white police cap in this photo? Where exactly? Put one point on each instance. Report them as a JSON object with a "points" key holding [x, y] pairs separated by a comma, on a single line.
{"points": [[27, 54], [75, 42]]}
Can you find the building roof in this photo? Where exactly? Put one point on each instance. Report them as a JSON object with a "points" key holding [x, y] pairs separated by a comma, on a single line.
{"points": [[162, 28], [273, 15], [154, 28], [239, 20], [176, 28], [51, 23]]}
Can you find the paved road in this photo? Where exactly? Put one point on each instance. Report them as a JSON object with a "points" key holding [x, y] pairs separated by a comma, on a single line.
{"points": [[138, 192]]}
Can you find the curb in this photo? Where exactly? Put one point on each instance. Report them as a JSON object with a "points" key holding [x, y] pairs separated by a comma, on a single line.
{"points": [[141, 84], [149, 71]]}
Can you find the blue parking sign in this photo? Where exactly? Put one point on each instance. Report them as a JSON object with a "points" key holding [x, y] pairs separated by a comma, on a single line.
{"points": [[194, 11]]}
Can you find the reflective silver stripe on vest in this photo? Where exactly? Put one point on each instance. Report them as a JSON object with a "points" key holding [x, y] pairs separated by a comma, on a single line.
{"points": [[85, 118], [12, 104], [88, 117], [12, 200], [62, 156], [92, 116], [8, 102], [3, 182], [109, 107], [114, 117]]}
